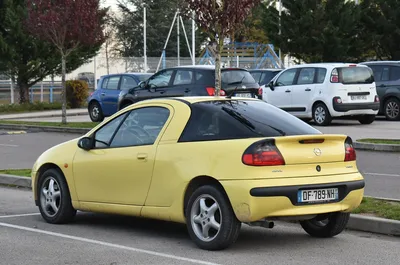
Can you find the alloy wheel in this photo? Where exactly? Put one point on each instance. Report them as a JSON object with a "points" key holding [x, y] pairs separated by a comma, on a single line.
{"points": [[392, 109], [50, 196], [206, 218], [320, 115]]}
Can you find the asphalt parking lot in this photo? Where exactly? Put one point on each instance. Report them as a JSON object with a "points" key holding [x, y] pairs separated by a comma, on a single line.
{"points": [[106, 239], [381, 170]]}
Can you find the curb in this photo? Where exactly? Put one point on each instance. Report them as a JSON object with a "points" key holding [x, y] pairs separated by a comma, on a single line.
{"points": [[356, 222], [374, 225], [377, 147], [37, 128], [15, 181]]}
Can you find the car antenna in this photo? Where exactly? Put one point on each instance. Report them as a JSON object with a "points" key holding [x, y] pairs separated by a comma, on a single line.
{"points": [[238, 83]]}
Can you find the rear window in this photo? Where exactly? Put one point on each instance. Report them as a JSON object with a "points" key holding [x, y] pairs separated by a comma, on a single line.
{"points": [[240, 119], [356, 75], [233, 76]]}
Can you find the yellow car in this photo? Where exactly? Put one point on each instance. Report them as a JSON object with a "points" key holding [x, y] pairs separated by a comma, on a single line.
{"points": [[211, 163]]}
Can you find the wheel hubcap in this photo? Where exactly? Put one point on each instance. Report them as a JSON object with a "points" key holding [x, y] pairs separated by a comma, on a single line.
{"points": [[50, 196], [206, 218], [320, 115], [392, 109], [95, 112]]}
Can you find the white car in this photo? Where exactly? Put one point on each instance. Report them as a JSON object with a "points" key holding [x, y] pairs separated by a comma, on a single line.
{"points": [[325, 91]]}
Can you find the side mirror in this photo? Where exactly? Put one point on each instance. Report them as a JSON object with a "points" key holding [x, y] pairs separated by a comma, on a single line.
{"points": [[142, 84], [85, 143], [271, 85]]}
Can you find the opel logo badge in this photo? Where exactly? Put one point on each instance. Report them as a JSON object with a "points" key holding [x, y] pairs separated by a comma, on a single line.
{"points": [[317, 151]]}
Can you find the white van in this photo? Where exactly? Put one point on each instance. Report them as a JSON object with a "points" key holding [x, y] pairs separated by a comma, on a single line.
{"points": [[325, 91]]}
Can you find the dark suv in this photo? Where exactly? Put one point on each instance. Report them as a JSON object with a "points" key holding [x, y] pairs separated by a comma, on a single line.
{"points": [[387, 79], [192, 80]]}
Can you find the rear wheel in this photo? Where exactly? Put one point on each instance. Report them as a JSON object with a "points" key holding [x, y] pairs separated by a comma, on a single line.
{"points": [[326, 225], [54, 198], [95, 112], [321, 115], [366, 119], [210, 219], [392, 109]]}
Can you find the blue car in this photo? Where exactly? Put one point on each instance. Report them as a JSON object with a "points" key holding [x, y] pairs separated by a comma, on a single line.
{"points": [[103, 102]]}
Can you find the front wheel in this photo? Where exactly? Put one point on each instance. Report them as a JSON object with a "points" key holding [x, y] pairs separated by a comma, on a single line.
{"points": [[95, 112], [366, 119], [210, 219], [54, 198], [326, 225]]}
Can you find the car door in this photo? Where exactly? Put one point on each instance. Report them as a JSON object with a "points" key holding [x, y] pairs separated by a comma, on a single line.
{"points": [[109, 94], [182, 83], [303, 91], [280, 95], [118, 169]]}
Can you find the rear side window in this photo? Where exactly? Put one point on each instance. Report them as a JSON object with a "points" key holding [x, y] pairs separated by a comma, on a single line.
{"points": [[394, 73], [356, 75], [321, 75], [111, 83], [240, 119]]}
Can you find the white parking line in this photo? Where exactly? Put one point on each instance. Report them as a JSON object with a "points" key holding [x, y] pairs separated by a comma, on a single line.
{"points": [[82, 239], [382, 174], [18, 215], [9, 145]]}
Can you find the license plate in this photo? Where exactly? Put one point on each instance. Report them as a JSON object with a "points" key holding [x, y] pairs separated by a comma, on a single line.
{"points": [[359, 97], [244, 95], [318, 195]]}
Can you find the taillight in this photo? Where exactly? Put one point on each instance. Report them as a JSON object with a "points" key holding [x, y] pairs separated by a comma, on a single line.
{"points": [[376, 98], [337, 100], [263, 153], [211, 91], [260, 91], [334, 76], [350, 152]]}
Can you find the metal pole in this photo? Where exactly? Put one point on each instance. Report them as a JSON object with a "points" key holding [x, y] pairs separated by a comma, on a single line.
{"points": [[193, 41], [12, 89], [52, 87], [178, 40], [145, 40], [41, 91], [166, 43], [94, 72], [280, 30], [186, 38]]}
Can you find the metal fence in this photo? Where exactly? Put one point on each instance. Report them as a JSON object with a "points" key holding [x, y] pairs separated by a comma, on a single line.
{"points": [[50, 90]]}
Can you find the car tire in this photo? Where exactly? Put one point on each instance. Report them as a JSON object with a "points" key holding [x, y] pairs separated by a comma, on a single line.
{"points": [[321, 115], [392, 109], [95, 112], [207, 207], [367, 119], [326, 226], [54, 198]]}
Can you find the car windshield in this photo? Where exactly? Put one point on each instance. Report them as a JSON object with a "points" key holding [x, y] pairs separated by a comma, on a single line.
{"points": [[236, 76], [240, 119], [356, 75]]}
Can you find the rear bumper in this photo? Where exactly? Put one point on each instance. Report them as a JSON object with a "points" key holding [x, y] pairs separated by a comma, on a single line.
{"points": [[344, 107], [254, 200]]}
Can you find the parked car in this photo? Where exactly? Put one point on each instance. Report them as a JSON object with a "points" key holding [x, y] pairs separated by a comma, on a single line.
{"points": [[103, 102], [211, 163], [264, 76], [192, 80], [387, 78], [325, 91]]}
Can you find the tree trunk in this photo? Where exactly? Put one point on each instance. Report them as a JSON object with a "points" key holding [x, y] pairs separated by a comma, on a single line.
{"points": [[218, 66], [64, 90], [23, 91]]}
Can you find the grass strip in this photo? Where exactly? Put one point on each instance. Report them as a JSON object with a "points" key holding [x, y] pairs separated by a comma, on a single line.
{"points": [[28, 107], [17, 172], [379, 208]]}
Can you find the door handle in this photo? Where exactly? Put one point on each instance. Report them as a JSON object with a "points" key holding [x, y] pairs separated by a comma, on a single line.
{"points": [[141, 156], [288, 91], [307, 89], [103, 94], [383, 85], [187, 90]]}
